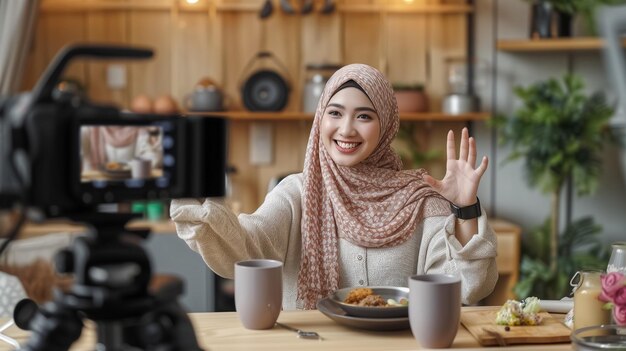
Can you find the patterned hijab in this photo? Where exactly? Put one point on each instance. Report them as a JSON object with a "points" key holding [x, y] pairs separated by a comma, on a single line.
{"points": [[372, 204]]}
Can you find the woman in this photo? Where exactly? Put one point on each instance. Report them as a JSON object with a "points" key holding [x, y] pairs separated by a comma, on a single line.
{"points": [[353, 217]]}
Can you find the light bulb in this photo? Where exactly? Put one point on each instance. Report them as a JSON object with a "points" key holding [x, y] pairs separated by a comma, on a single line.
{"points": [[192, 2]]}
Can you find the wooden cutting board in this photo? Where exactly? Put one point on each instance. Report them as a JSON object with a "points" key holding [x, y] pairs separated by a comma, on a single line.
{"points": [[482, 325]]}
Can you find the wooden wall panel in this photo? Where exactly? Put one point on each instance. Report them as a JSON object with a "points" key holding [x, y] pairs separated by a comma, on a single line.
{"points": [[362, 39], [321, 40], [289, 149], [244, 186], [319, 43], [192, 57], [281, 37], [152, 29], [242, 41], [407, 48], [106, 27], [62, 29]]}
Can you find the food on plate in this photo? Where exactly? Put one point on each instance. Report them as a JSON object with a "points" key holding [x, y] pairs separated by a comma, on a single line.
{"points": [[373, 301], [366, 297], [403, 302], [113, 166], [524, 312], [356, 295]]}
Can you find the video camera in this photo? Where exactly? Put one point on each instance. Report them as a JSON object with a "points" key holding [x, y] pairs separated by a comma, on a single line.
{"points": [[63, 155], [50, 142]]}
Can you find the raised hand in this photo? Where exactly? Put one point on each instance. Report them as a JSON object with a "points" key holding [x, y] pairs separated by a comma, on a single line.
{"points": [[460, 184]]}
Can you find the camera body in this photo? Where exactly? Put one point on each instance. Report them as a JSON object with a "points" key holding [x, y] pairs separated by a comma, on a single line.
{"points": [[46, 135]]}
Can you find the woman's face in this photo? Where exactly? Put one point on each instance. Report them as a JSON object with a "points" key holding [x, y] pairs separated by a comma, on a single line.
{"points": [[350, 127]]}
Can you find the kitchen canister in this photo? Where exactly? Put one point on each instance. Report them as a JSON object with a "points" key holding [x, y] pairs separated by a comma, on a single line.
{"points": [[317, 76], [588, 309]]}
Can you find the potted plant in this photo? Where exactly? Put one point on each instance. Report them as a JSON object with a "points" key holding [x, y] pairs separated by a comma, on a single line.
{"points": [[560, 132], [411, 151], [411, 97]]}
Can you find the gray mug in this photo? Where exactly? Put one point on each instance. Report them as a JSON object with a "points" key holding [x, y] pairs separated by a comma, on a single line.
{"points": [[258, 292], [434, 309]]}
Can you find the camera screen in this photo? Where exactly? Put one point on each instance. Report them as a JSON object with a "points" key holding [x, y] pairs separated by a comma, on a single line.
{"points": [[120, 153]]}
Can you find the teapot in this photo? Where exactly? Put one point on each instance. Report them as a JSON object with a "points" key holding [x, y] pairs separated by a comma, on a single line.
{"points": [[206, 96]]}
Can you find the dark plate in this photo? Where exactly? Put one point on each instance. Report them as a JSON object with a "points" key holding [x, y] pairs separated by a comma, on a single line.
{"points": [[334, 312], [386, 292]]}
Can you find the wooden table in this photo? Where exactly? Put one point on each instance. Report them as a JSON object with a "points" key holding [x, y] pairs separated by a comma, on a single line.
{"points": [[223, 331]]}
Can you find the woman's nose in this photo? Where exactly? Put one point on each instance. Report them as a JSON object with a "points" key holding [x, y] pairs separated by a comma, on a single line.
{"points": [[346, 128]]}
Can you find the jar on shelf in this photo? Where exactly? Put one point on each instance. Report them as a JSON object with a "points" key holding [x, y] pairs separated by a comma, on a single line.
{"points": [[316, 78], [617, 262], [588, 309]]}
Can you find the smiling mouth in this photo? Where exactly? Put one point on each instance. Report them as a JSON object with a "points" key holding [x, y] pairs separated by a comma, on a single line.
{"points": [[346, 147]]}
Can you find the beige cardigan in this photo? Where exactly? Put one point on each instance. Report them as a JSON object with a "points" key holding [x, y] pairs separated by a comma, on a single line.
{"points": [[273, 231]]}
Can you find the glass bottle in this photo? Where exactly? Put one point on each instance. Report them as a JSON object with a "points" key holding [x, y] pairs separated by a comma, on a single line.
{"points": [[617, 262], [587, 308]]}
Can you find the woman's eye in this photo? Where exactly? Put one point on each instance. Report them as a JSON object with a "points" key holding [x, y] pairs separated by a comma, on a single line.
{"points": [[334, 113], [364, 116]]}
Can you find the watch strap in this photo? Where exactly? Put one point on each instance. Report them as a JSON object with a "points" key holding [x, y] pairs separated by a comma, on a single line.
{"points": [[467, 212]]}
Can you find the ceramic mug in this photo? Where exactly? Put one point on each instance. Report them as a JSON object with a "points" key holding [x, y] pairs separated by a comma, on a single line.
{"points": [[434, 309], [258, 292], [205, 99], [140, 168]]}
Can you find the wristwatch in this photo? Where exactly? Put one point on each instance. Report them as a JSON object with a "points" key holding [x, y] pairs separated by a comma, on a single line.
{"points": [[467, 212]]}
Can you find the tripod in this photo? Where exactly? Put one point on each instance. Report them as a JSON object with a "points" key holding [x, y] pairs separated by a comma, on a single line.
{"points": [[111, 287]]}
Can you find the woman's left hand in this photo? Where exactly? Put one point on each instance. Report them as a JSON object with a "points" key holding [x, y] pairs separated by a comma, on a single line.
{"points": [[460, 184]]}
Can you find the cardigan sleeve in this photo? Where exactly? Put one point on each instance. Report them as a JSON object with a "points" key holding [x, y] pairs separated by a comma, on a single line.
{"points": [[475, 263], [222, 238]]}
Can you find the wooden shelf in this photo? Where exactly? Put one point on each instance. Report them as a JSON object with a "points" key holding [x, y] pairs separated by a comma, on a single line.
{"points": [[550, 45], [406, 8], [204, 6], [301, 116]]}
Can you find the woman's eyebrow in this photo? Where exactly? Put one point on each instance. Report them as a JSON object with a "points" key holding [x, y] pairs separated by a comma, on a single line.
{"points": [[334, 104], [365, 108], [362, 108]]}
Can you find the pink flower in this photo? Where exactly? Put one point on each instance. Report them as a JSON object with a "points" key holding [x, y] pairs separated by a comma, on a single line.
{"points": [[611, 283], [619, 314], [620, 296]]}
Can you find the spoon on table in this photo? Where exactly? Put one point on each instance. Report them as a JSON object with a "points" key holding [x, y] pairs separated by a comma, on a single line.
{"points": [[301, 333]]}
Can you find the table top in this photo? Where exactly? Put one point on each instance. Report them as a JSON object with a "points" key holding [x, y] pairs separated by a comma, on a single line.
{"points": [[223, 331]]}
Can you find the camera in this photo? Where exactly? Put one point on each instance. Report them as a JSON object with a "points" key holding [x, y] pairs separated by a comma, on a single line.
{"points": [[56, 146], [63, 155]]}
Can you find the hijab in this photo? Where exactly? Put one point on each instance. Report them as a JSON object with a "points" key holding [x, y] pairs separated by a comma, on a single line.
{"points": [[373, 204]]}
